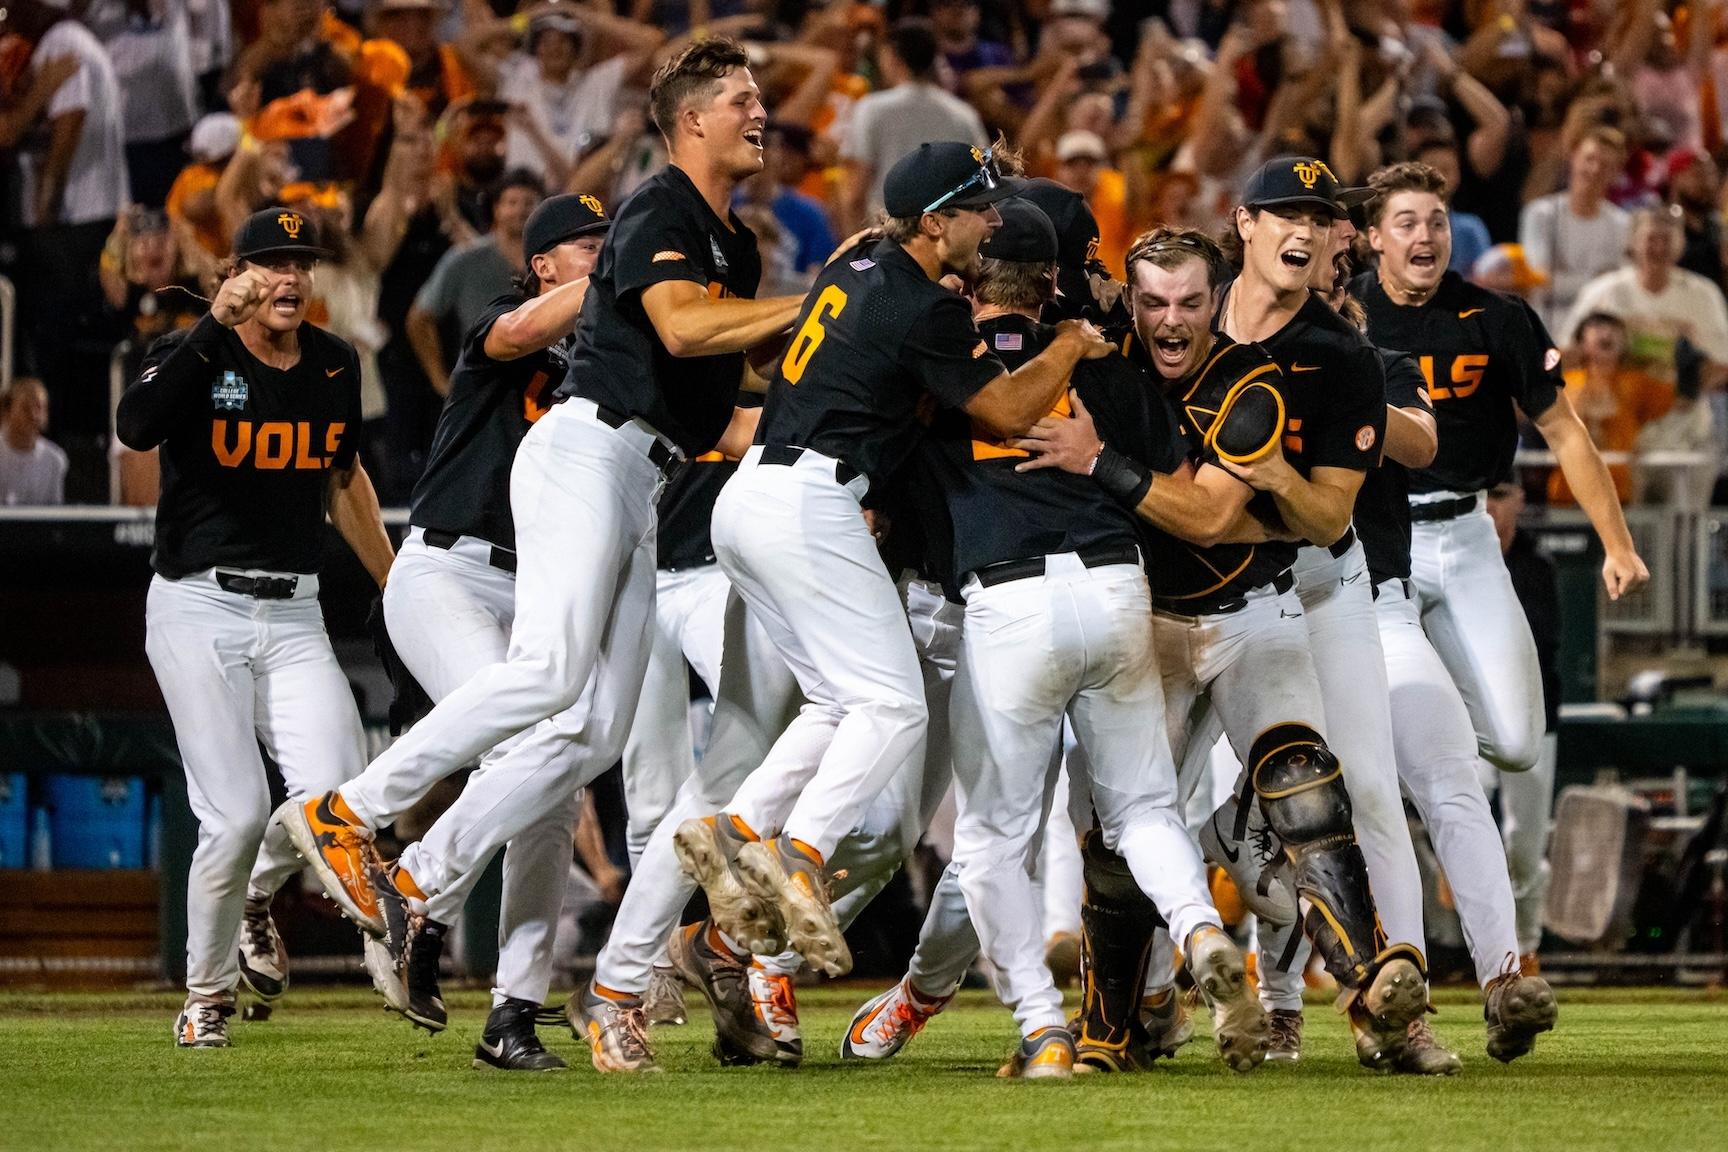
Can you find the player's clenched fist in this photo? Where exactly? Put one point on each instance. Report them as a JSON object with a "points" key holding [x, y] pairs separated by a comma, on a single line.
{"points": [[1623, 573], [1092, 342], [241, 295]]}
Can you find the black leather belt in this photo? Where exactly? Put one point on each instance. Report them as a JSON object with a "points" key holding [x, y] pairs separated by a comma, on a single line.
{"points": [[1442, 509], [658, 454], [1285, 581], [789, 454], [1343, 543], [258, 587], [1099, 557], [500, 558]]}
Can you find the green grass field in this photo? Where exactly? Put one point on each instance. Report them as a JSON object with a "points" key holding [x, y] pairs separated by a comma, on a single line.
{"points": [[1631, 1070]]}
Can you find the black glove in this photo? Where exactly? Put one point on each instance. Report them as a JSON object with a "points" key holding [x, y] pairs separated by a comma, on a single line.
{"points": [[408, 701]]}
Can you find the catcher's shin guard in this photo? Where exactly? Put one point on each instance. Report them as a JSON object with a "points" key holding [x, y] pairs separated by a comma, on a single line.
{"points": [[1116, 925], [1301, 789]]}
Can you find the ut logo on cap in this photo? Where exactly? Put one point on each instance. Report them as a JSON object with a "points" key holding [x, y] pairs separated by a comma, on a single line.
{"points": [[977, 155], [1309, 171], [592, 203], [291, 224]]}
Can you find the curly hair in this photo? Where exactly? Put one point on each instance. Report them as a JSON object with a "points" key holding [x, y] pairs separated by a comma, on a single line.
{"points": [[695, 72]]}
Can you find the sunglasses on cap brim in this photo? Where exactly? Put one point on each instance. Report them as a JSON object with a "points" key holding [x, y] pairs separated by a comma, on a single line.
{"points": [[986, 179]]}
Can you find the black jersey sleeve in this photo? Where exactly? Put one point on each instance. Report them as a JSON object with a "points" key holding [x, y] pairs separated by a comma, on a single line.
{"points": [[1536, 380], [348, 450], [474, 340], [1129, 414], [1352, 421], [946, 354], [172, 378], [1405, 385], [655, 242]]}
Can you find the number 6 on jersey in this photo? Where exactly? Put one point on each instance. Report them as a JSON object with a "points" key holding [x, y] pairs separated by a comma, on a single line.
{"points": [[831, 302]]}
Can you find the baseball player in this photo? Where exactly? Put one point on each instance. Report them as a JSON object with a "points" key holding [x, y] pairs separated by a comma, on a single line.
{"points": [[257, 414], [1229, 627], [1432, 725], [449, 608], [1056, 608], [876, 335], [1481, 353], [655, 366]]}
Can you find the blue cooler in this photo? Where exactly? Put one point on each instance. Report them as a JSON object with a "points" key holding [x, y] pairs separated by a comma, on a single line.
{"points": [[97, 821], [14, 821]]}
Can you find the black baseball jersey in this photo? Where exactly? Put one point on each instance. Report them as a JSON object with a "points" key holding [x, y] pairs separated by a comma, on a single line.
{"points": [[466, 486], [246, 448], [686, 507], [876, 343], [999, 514], [1382, 514], [664, 231], [1479, 351], [1189, 578]]}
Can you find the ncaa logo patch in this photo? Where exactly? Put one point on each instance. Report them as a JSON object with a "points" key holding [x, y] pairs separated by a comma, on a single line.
{"points": [[719, 256], [230, 392]]}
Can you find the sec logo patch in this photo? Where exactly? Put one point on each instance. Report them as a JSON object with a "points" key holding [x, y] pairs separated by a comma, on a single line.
{"points": [[1364, 438]]}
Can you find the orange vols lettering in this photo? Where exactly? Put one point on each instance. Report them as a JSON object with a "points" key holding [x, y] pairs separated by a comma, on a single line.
{"points": [[275, 444], [986, 447], [219, 442]]}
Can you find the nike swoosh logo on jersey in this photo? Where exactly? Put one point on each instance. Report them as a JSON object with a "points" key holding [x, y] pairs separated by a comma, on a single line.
{"points": [[1467, 313], [329, 372], [1304, 367]]}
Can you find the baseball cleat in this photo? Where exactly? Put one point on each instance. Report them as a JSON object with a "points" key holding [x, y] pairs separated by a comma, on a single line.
{"points": [[1424, 1055], [1255, 864], [743, 1033], [263, 959], [1238, 1022], [664, 1001], [792, 880], [1167, 1024], [707, 849], [1380, 1014], [887, 1023], [614, 1028], [203, 1024], [1517, 1009], [385, 968], [1105, 1050], [1047, 1054], [404, 964], [775, 1003], [510, 1043], [1286, 1044], [425, 950], [338, 849]]}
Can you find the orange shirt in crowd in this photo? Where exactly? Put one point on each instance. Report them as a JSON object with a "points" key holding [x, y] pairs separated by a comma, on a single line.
{"points": [[195, 179], [1614, 417]]}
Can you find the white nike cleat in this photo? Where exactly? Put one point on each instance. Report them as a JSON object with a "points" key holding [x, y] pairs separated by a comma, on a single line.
{"points": [[1255, 863], [887, 1023]]}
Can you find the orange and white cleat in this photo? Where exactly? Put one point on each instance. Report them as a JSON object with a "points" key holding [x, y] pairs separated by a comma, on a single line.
{"points": [[887, 1023], [337, 848]]}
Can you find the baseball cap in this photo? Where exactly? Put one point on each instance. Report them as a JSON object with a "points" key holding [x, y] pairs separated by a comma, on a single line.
{"points": [[944, 174], [1289, 181], [1081, 144], [1076, 227], [214, 137], [1025, 234], [277, 231], [561, 218]]}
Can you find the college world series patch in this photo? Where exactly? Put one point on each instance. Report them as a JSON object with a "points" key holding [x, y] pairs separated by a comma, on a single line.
{"points": [[229, 393]]}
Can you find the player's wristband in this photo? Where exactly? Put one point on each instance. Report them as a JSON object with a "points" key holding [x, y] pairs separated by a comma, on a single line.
{"points": [[1127, 481]]}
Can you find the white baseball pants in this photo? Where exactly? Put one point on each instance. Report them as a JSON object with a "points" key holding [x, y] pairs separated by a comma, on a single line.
{"points": [[583, 498], [689, 620], [1345, 637], [1074, 640], [1526, 818], [1472, 615], [449, 614], [756, 699], [235, 672], [793, 541], [1437, 763]]}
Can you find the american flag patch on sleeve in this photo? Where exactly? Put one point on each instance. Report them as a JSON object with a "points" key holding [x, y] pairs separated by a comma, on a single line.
{"points": [[1008, 341]]}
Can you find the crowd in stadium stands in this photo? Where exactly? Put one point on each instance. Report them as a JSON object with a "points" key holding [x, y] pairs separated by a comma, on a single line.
{"points": [[1581, 137]]}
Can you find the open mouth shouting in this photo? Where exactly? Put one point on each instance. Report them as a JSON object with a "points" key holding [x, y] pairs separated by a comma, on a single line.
{"points": [[1170, 350], [1296, 259], [286, 304], [1424, 259], [753, 136]]}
